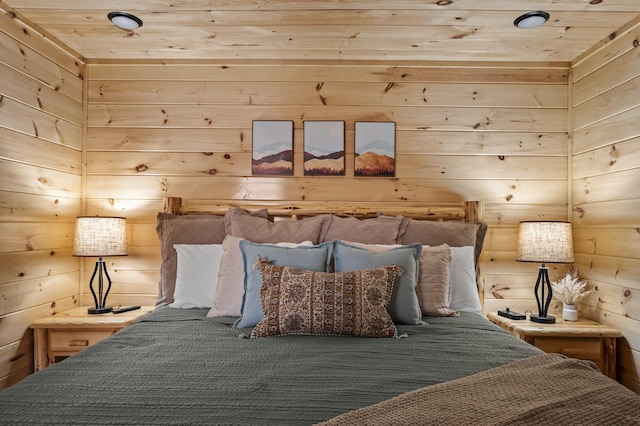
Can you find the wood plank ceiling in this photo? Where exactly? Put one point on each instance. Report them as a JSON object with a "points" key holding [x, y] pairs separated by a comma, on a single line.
{"points": [[370, 30]]}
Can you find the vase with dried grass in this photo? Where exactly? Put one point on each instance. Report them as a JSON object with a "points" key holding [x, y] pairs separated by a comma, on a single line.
{"points": [[570, 290]]}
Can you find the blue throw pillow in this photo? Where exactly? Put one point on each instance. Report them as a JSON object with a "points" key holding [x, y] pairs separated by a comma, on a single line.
{"points": [[404, 307], [314, 258]]}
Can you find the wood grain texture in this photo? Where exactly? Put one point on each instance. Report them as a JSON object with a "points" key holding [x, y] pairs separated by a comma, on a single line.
{"points": [[582, 339], [605, 182], [41, 119], [330, 30], [349, 71], [424, 211]]}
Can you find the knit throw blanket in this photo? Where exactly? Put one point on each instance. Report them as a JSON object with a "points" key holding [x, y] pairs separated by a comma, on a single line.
{"points": [[546, 389]]}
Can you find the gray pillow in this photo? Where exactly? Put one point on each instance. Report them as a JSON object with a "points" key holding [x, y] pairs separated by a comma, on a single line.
{"points": [[404, 307], [314, 258]]}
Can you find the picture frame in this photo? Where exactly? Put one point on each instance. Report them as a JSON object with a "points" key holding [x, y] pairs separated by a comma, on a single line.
{"points": [[272, 148], [375, 149], [324, 148]]}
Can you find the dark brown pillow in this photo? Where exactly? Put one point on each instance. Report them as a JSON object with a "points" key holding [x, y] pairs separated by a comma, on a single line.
{"points": [[378, 230], [454, 234], [302, 302], [241, 224], [182, 229]]}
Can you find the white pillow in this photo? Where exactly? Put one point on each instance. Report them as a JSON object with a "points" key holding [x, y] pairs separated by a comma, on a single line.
{"points": [[464, 289], [230, 290], [197, 275]]}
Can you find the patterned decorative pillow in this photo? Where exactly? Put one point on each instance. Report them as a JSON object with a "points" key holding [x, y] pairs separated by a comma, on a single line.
{"points": [[299, 301]]}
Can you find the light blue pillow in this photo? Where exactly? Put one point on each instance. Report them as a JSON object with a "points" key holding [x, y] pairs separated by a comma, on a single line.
{"points": [[314, 258], [404, 307]]}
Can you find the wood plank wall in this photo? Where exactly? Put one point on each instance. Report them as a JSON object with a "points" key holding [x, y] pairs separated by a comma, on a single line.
{"points": [[41, 89], [606, 190], [474, 132]]}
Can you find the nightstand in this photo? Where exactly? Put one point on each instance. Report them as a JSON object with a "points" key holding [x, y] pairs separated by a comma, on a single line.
{"points": [[583, 339], [67, 333]]}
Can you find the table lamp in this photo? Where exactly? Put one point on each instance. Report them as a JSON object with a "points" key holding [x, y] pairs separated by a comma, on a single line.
{"points": [[100, 237], [544, 242]]}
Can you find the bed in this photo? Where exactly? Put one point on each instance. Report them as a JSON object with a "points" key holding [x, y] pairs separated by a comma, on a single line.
{"points": [[314, 321]]}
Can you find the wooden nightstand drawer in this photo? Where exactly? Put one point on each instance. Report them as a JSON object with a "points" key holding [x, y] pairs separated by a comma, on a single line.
{"points": [[75, 340], [67, 333], [578, 347], [583, 339]]}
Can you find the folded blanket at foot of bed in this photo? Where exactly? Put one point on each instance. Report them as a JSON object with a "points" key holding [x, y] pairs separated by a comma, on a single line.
{"points": [[547, 389]]}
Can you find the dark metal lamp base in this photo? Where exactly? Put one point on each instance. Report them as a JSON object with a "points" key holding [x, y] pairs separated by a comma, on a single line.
{"points": [[543, 319], [102, 310]]}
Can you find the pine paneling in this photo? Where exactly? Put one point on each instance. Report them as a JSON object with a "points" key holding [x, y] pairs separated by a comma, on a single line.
{"points": [[617, 128], [39, 95], [33, 179], [350, 71], [496, 134], [23, 207], [611, 102], [150, 189], [612, 186], [28, 149], [311, 93], [396, 30], [436, 118], [41, 123], [608, 52], [621, 156], [606, 195]]}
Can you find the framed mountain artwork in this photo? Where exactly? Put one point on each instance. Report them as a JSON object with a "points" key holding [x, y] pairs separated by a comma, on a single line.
{"points": [[324, 148], [375, 149], [272, 150]]}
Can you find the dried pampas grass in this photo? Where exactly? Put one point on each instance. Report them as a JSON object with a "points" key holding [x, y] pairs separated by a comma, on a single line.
{"points": [[570, 289]]}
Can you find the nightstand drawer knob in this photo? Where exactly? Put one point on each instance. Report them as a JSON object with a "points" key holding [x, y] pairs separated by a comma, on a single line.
{"points": [[78, 343]]}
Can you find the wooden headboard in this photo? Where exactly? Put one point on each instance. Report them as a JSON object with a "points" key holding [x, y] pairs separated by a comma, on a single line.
{"points": [[469, 211]]}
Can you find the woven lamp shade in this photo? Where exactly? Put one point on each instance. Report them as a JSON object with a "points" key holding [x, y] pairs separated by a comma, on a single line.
{"points": [[545, 242], [100, 236]]}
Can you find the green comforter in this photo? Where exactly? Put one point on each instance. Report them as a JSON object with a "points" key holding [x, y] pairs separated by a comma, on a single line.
{"points": [[180, 367]]}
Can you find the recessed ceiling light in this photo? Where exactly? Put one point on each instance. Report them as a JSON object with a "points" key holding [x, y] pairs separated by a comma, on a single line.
{"points": [[531, 20], [125, 20]]}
